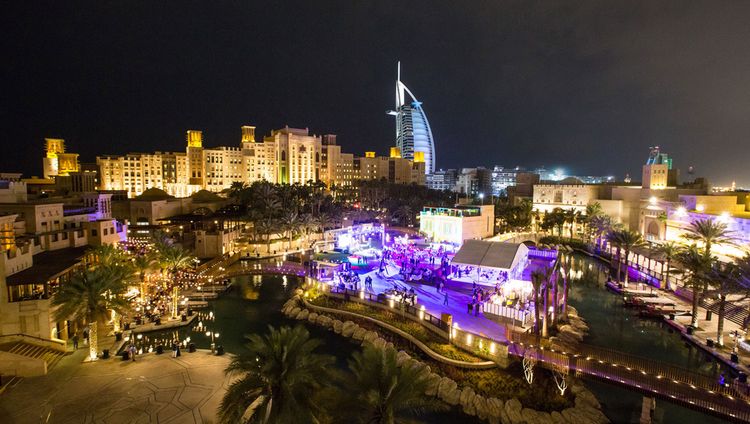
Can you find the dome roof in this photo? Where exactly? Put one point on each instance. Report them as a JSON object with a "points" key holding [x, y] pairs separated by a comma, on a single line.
{"points": [[205, 196], [153, 194]]}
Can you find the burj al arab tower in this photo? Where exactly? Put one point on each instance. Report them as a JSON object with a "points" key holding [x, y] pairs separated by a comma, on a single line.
{"points": [[413, 134]]}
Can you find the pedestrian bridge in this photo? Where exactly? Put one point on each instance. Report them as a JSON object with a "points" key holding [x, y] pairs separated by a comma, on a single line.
{"points": [[653, 378]]}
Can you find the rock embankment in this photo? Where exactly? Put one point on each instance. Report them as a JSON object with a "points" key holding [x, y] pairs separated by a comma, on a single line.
{"points": [[496, 411], [571, 334]]}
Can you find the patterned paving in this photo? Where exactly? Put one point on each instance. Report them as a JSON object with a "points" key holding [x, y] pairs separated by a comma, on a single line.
{"points": [[154, 389]]}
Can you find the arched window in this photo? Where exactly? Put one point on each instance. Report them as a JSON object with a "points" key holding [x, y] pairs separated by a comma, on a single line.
{"points": [[283, 155]]}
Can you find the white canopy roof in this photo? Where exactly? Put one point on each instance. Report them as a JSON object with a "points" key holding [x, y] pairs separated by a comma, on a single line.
{"points": [[489, 254]]}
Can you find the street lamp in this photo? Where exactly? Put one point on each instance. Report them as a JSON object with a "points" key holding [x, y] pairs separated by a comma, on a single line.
{"points": [[214, 335], [481, 197]]}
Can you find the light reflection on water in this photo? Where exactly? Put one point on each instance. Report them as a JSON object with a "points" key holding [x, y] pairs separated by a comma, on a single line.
{"points": [[613, 326]]}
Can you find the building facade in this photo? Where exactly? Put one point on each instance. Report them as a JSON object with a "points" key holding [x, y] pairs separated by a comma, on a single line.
{"points": [[454, 225], [286, 156], [413, 133]]}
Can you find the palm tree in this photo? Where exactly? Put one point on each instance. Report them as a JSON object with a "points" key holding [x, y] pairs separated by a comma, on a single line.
{"points": [[727, 280], [564, 269], [142, 264], [629, 240], [697, 267], [592, 210], [548, 273], [108, 255], [537, 280], [404, 215], [601, 225], [667, 250], [174, 259], [291, 223], [613, 238], [277, 376], [569, 217], [89, 296], [709, 232], [385, 393], [237, 192]]}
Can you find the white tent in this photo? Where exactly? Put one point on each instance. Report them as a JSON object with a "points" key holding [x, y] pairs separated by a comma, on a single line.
{"points": [[491, 255]]}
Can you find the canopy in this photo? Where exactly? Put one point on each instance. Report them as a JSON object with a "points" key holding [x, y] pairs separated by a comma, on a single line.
{"points": [[489, 254]]}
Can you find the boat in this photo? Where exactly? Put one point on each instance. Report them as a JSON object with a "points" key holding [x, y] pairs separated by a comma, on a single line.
{"points": [[644, 302], [657, 311], [619, 289]]}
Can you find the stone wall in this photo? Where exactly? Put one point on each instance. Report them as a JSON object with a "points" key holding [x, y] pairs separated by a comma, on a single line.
{"points": [[495, 411], [21, 366]]}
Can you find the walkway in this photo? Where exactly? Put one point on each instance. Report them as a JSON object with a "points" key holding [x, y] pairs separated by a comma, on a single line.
{"points": [[155, 388], [652, 377], [459, 296]]}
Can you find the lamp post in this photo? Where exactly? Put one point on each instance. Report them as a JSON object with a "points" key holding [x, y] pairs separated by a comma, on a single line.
{"points": [[481, 198], [214, 335]]}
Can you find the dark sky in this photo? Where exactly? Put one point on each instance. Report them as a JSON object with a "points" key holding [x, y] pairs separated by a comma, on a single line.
{"points": [[587, 85]]}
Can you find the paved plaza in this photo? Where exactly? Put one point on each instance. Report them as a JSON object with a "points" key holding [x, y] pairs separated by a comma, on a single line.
{"points": [[459, 295], [155, 388]]}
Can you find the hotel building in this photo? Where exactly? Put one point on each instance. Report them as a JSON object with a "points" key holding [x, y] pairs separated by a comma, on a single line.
{"points": [[454, 225], [286, 156], [413, 133]]}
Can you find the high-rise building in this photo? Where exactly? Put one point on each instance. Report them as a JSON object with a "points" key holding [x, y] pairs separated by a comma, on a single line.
{"points": [[443, 179], [413, 133]]}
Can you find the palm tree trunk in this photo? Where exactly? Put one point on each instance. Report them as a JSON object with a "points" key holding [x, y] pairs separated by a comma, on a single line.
{"points": [[694, 320], [566, 287], [93, 340], [619, 262], [115, 322], [720, 325], [555, 303], [536, 311], [627, 267], [546, 310], [666, 277]]}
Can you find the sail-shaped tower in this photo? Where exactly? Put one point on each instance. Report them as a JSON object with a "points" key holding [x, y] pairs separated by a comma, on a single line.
{"points": [[413, 133]]}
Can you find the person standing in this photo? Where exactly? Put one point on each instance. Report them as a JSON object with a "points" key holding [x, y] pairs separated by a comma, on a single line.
{"points": [[445, 298], [131, 351], [75, 341]]}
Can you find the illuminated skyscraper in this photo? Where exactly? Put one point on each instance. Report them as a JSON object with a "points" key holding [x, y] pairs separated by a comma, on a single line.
{"points": [[413, 134]]}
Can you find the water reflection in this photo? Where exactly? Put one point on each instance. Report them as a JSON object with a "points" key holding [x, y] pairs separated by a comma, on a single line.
{"points": [[615, 327]]}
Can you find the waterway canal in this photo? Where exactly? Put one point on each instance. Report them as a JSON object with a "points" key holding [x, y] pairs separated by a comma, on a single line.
{"points": [[615, 327]]}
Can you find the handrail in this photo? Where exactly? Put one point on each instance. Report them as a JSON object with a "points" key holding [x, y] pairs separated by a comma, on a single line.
{"points": [[426, 349], [60, 342], [683, 388]]}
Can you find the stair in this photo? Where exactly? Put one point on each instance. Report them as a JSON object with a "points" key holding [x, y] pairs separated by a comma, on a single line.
{"points": [[9, 382], [50, 356], [734, 313]]}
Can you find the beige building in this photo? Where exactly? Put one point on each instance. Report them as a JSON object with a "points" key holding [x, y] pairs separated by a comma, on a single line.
{"points": [[393, 169], [56, 160], [297, 155], [454, 225], [12, 188], [41, 246], [286, 156]]}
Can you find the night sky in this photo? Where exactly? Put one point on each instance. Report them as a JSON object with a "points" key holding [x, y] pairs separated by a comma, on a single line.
{"points": [[584, 85]]}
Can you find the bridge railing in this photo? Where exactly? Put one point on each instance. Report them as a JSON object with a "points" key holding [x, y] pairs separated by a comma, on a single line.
{"points": [[666, 380], [710, 397]]}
